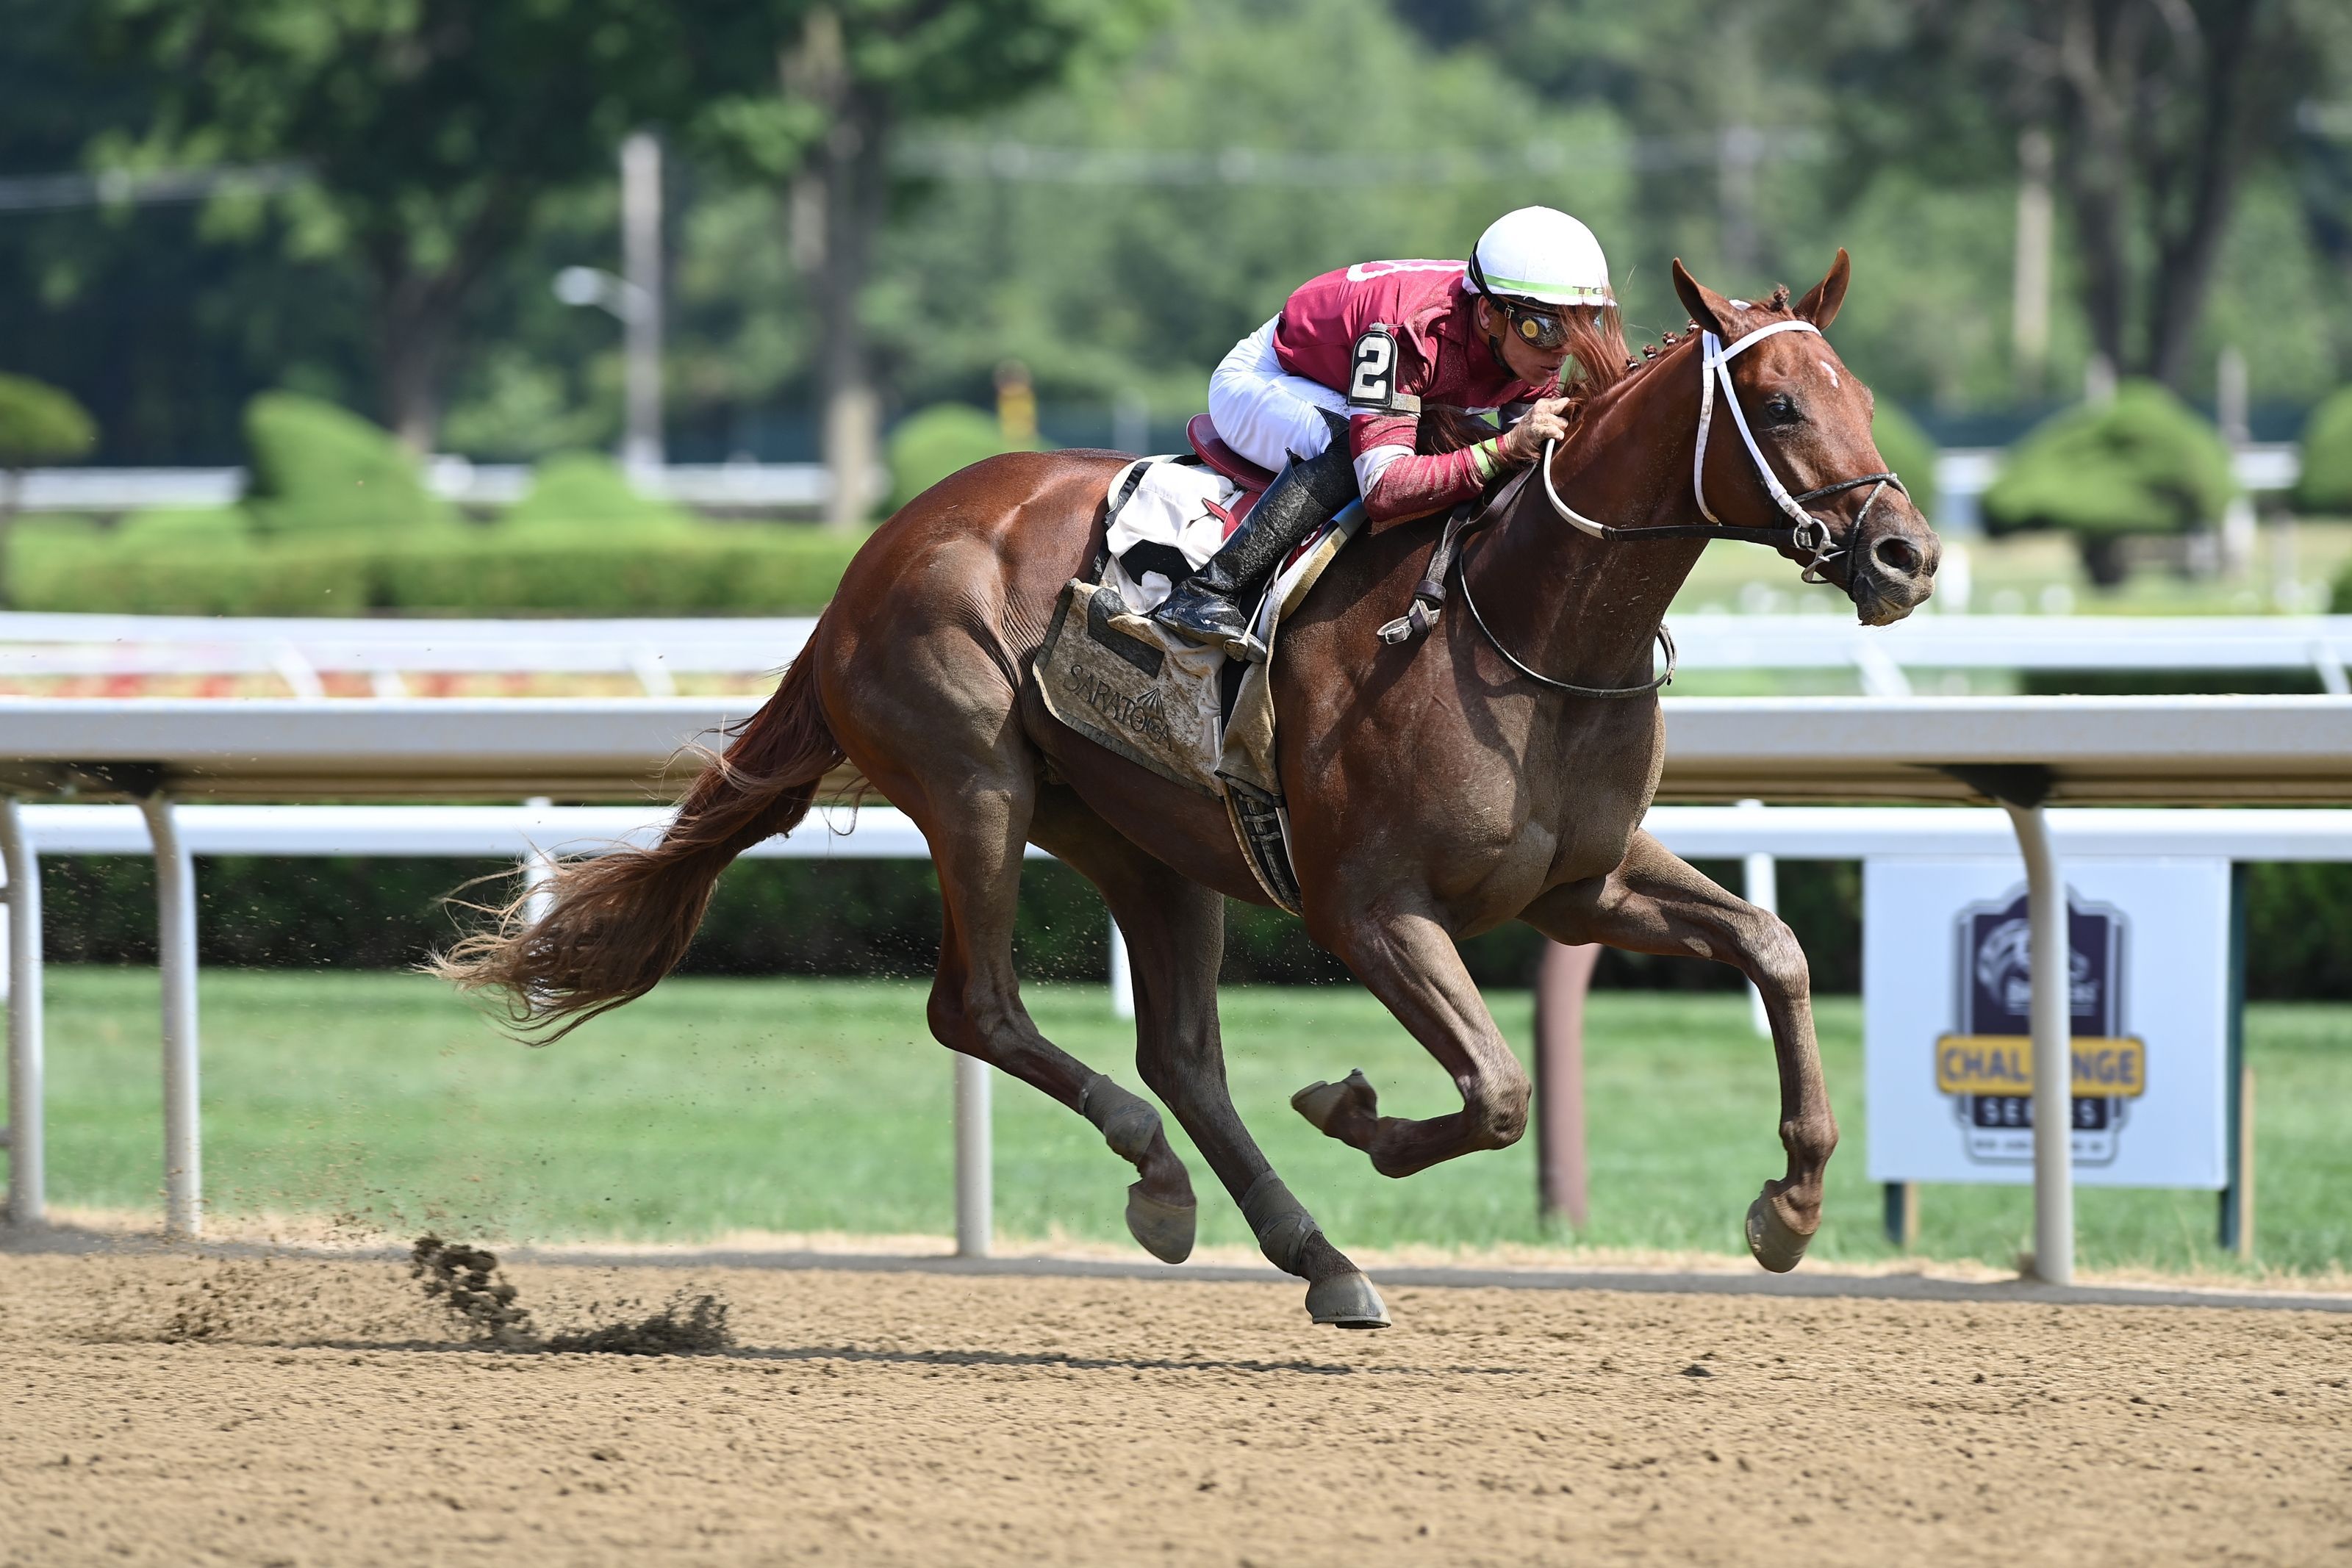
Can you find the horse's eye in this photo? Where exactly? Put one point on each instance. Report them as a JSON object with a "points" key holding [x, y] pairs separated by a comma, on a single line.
{"points": [[1782, 409]]}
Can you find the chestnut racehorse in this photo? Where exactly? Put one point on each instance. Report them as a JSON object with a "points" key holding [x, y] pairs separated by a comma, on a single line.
{"points": [[1436, 788]]}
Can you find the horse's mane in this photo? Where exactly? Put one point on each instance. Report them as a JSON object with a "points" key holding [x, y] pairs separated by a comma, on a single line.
{"points": [[1627, 371], [1600, 369], [1597, 362]]}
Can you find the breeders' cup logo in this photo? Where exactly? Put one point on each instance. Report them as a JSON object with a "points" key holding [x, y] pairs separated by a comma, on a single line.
{"points": [[1986, 1064]]}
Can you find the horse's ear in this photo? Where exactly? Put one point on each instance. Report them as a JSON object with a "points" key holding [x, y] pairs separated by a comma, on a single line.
{"points": [[1821, 306], [1708, 309]]}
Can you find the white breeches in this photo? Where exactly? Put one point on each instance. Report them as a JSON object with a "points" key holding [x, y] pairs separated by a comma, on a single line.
{"points": [[1266, 413]]}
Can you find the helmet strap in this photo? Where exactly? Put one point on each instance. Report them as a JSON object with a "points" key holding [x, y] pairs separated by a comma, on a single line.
{"points": [[1494, 338]]}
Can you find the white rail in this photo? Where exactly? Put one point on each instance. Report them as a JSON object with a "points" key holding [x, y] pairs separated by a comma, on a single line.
{"points": [[527, 833], [657, 652], [2022, 751], [1962, 475]]}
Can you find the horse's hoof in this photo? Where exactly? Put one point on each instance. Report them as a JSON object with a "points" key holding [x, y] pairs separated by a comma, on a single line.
{"points": [[1776, 1246], [1346, 1301], [1163, 1229], [1321, 1103]]}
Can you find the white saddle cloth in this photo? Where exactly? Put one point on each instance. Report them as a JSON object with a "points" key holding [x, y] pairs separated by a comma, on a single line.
{"points": [[1182, 506]]}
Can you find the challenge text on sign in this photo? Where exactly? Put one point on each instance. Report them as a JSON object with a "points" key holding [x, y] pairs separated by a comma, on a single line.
{"points": [[2003, 1064]]}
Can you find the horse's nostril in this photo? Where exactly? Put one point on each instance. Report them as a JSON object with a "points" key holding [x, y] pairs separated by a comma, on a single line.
{"points": [[1898, 556]]}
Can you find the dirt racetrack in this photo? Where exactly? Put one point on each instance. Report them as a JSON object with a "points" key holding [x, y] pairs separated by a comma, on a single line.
{"points": [[184, 1409]]}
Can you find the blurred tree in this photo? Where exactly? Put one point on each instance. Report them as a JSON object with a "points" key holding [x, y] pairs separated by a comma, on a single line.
{"points": [[157, 334], [2158, 110], [1119, 235], [37, 424], [433, 130], [827, 97]]}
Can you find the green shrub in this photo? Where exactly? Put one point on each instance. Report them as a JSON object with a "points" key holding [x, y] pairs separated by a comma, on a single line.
{"points": [[587, 493], [2326, 483], [2144, 464], [1909, 453], [927, 446], [185, 525], [201, 563], [46, 530], [40, 425], [228, 575], [747, 570], [321, 470]]}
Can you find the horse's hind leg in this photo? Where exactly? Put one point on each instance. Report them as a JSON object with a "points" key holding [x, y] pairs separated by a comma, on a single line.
{"points": [[1657, 902], [977, 827], [1175, 931]]}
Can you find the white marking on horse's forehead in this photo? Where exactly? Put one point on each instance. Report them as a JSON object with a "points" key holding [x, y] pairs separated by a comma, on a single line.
{"points": [[1832, 371], [1741, 305]]}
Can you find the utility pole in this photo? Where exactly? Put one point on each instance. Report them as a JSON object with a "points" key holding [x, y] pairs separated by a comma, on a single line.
{"points": [[2229, 396], [2030, 309], [642, 447], [835, 202]]}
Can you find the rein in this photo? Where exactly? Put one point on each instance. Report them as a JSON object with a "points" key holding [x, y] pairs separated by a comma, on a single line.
{"points": [[1807, 533], [1666, 642]]}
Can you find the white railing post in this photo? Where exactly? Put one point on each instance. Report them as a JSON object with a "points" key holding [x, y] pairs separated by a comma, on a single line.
{"points": [[1122, 976], [175, 898], [2052, 1015], [538, 873], [974, 1158], [1763, 891], [27, 1174]]}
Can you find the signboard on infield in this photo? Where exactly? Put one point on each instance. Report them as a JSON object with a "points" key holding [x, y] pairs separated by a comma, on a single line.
{"points": [[1947, 1052]]}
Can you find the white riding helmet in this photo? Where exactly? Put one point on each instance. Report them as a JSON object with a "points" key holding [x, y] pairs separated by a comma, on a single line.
{"points": [[1540, 253]]}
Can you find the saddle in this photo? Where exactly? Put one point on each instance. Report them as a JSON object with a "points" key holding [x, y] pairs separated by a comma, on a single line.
{"points": [[1179, 709], [1211, 448]]}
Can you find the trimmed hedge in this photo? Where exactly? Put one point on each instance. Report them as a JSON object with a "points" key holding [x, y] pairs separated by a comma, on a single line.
{"points": [[320, 469], [339, 523], [585, 494], [1910, 455], [928, 445], [149, 568], [229, 573], [2325, 485], [771, 569], [2144, 464], [40, 425]]}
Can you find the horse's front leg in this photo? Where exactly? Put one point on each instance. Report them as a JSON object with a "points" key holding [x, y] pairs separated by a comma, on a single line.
{"points": [[1657, 902], [1408, 960]]}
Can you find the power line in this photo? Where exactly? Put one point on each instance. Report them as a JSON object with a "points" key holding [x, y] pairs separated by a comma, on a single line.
{"points": [[1024, 163], [120, 187]]}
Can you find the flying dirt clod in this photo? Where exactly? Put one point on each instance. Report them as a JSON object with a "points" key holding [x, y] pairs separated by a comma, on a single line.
{"points": [[466, 1281]]}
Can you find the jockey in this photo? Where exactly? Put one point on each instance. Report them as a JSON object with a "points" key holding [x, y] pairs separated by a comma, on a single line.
{"points": [[1368, 349]]}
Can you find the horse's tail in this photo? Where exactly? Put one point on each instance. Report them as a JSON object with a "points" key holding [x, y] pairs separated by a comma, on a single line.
{"points": [[616, 923]]}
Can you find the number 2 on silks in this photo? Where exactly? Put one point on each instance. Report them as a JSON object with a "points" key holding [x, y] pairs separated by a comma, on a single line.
{"points": [[1374, 383]]}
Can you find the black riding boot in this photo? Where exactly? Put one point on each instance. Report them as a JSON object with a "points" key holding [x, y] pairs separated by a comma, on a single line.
{"points": [[1204, 607]]}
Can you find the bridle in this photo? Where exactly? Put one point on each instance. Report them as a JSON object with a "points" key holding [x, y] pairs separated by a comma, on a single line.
{"points": [[1807, 534]]}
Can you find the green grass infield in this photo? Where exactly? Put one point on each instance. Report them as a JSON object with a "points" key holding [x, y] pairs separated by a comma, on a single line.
{"points": [[716, 1107]]}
